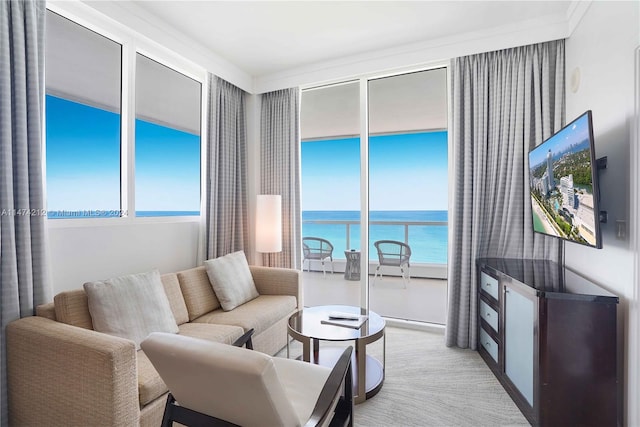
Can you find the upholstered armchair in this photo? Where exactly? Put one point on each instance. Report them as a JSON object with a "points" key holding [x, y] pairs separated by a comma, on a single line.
{"points": [[221, 385]]}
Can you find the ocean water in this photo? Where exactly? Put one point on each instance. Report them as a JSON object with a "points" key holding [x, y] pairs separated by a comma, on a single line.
{"points": [[428, 243]]}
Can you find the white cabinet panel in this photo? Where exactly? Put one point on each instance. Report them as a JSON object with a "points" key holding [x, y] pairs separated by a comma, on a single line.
{"points": [[489, 315], [489, 284], [518, 341], [489, 344]]}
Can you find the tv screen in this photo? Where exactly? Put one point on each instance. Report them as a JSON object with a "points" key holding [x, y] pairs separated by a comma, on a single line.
{"points": [[563, 180]]}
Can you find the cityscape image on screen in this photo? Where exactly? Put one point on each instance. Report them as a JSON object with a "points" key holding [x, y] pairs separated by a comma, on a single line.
{"points": [[561, 184]]}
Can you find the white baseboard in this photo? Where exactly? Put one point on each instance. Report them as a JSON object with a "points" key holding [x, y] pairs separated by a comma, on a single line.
{"points": [[410, 324]]}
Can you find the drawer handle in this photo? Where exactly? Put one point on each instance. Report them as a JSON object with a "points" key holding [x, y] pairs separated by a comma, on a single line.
{"points": [[488, 314], [487, 344]]}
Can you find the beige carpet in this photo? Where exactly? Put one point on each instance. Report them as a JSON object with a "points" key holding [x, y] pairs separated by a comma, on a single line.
{"points": [[429, 384]]}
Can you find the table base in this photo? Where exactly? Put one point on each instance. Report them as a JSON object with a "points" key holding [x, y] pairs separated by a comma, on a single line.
{"points": [[374, 376]]}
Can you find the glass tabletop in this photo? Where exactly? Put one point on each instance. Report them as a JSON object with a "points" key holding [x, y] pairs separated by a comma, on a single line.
{"points": [[306, 322]]}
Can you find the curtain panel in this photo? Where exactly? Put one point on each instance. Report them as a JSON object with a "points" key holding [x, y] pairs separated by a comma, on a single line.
{"points": [[226, 228], [504, 104], [24, 278], [280, 169]]}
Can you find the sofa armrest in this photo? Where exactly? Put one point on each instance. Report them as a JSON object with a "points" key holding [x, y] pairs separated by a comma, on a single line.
{"points": [[58, 374], [278, 281]]}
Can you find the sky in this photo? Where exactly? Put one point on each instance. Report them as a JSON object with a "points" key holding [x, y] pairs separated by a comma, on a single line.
{"points": [[83, 162], [577, 132], [406, 172]]}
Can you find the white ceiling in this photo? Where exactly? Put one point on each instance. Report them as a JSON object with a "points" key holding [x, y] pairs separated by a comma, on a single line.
{"points": [[266, 37]]}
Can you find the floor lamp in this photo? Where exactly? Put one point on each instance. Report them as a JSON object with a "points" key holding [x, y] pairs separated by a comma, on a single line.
{"points": [[269, 223]]}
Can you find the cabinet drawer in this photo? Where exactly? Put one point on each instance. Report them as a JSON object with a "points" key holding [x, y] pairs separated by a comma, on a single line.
{"points": [[489, 284], [489, 315], [489, 344]]}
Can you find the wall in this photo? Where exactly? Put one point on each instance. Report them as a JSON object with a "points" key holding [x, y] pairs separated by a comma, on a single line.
{"points": [[602, 47], [98, 249], [85, 253], [421, 55]]}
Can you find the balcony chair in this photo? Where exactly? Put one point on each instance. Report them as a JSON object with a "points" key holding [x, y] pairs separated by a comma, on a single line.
{"points": [[317, 249], [216, 384], [396, 254]]}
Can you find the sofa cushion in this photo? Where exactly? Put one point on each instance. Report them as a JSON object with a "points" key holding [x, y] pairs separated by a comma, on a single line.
{"points": [[231, 279], [176, 300], [130, 306], [218, 333], [150, 385], [259, 313], [47, 311], [197, 291], [72, 308]]}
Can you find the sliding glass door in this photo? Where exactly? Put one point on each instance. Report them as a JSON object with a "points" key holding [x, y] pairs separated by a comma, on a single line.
{"points": [[378, 146], [330, 129], [408, 176]]}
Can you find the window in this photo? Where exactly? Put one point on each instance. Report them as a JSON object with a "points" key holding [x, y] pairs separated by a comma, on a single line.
{"points": [[83, 81], [167, 157], [96, 165]]}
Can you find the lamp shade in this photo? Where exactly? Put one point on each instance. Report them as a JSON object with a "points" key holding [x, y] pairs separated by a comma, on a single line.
{"points": [[269, 223]]}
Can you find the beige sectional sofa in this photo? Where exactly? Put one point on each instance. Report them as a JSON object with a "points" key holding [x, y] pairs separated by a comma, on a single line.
{"points": [[62, 372]]}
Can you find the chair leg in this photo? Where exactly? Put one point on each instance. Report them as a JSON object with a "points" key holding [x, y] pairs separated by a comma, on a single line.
{"points": [[167, 418], [331, 259], [404, 279], [324, 273], [376, 275]]}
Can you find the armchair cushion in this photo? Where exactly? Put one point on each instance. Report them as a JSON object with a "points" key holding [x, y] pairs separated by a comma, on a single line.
{"points": [[258, 389], [130, 306], [302, 383], [190, 366], [231, 280]]}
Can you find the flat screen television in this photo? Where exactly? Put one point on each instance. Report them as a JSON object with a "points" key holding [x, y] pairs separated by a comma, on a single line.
{"points": [[563, 180]]}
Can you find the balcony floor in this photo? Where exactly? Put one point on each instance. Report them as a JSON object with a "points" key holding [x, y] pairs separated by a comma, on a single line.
{"points": [[424, 300]]}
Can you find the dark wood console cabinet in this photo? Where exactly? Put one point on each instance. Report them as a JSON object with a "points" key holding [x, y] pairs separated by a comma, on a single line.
{"points": [[550, 337]]}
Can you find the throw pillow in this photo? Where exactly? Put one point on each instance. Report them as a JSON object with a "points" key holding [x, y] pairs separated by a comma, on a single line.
{"points": [[231, 280], [130, 306]]}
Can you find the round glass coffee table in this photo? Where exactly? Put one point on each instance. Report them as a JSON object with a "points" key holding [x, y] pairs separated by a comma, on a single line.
{"points": [[368, 372]]}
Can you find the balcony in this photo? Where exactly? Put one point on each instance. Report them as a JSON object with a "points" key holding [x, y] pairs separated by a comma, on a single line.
{"points": [[428, 241], [424, 299]]}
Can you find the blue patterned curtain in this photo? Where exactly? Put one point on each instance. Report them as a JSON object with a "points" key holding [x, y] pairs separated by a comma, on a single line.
{"points": [[280, 169], [504, 104], [226, 191], [24, 278]]}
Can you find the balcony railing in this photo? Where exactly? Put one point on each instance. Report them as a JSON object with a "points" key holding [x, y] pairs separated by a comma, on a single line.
{"points": [[428, 239]]}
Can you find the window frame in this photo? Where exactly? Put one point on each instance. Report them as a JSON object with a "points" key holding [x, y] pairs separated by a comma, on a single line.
{"points": [[133, 43], [363, 80]]}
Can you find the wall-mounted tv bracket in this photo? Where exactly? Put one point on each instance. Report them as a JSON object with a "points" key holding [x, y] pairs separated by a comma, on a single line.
{"points": [[601, 163]]}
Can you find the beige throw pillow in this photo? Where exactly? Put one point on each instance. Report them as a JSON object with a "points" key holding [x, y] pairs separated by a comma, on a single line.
{"points": [[130, 306], [231, 280]]}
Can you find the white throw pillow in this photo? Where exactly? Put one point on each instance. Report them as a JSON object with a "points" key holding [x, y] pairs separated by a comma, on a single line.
{"points": [[130, 306], [231, 280]]}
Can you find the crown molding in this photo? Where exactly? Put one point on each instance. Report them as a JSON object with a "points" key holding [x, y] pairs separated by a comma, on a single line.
{"points": [[420, 54], [136, 19], [575, 12]]}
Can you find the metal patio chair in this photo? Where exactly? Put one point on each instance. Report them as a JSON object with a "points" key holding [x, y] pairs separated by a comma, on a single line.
{"points": [[396, 254], [317, 249]]}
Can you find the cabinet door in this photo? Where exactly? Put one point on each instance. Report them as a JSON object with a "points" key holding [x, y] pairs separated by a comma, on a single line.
{"points": [[518, 341]]}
